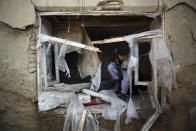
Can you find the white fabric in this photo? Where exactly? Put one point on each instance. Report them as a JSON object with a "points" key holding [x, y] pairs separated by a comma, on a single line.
{"points": [[74, 114], [96, 80], [164, 63], [118, 106], [133, 63], [51, 99], [131, 112], [162, 50], [62, 64]]}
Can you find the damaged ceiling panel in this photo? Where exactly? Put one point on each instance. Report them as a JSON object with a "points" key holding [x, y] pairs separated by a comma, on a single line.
{"points": [[17, 13]]}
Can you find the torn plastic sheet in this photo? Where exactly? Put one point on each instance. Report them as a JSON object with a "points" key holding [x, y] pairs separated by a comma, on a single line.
{"points": [[48, 48], [117, 108], [146, 34], [162, 50], [164, 74], [38, 44], [132, 63], [164, 63], [48, 54], [51, 99], [62, 64], [96, 80], [131, 112], [114, 112], [41, 40], [74, 114]]}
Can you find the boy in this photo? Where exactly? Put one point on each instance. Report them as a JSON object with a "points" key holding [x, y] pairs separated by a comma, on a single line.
{"points": [[118, 74]]}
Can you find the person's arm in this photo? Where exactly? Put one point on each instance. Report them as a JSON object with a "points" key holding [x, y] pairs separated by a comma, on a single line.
{"points": [[113, 71]]}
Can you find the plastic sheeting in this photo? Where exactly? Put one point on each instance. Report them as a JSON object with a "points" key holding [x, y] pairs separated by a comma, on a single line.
{"points": [[131, 112], [62, 64], [131, 39], [164, 63], [133, 63], [114, 112], [96, 80], [51, 99], [41, 40], [117, 108], [165, 76], [74, 114]]}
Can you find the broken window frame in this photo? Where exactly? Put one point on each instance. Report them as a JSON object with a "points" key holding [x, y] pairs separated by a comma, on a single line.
{"points": [[42, 85], [151, 120], [153, 90]]}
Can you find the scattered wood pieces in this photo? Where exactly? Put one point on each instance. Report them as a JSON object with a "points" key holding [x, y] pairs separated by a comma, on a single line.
{"points": [[81, 124]]}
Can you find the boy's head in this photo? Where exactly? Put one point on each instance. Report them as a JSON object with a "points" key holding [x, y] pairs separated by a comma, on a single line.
{"points": [[123, 52]]}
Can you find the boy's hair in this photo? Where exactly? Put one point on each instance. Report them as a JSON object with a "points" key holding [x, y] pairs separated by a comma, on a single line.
{"points": [[123, 50]]}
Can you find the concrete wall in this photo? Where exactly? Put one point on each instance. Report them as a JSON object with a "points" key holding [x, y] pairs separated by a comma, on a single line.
{"points": [[17, 79], [180, 34], [131, 5], [17, 13]]}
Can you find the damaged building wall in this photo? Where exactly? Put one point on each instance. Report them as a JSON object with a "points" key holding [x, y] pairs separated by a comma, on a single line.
{"points": [[131, 5], [179, 25], [127, 5], [17, 79], [171, 3], [180, 34], [17, 13]]}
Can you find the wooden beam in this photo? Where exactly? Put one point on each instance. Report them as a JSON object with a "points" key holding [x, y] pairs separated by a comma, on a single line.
{"points": [[56, 50], [142, 35], [81, 124], [97, 13], [71, 43], [150, 121], [70, 87], [38, 62], [92, 93], [110, 40]]}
